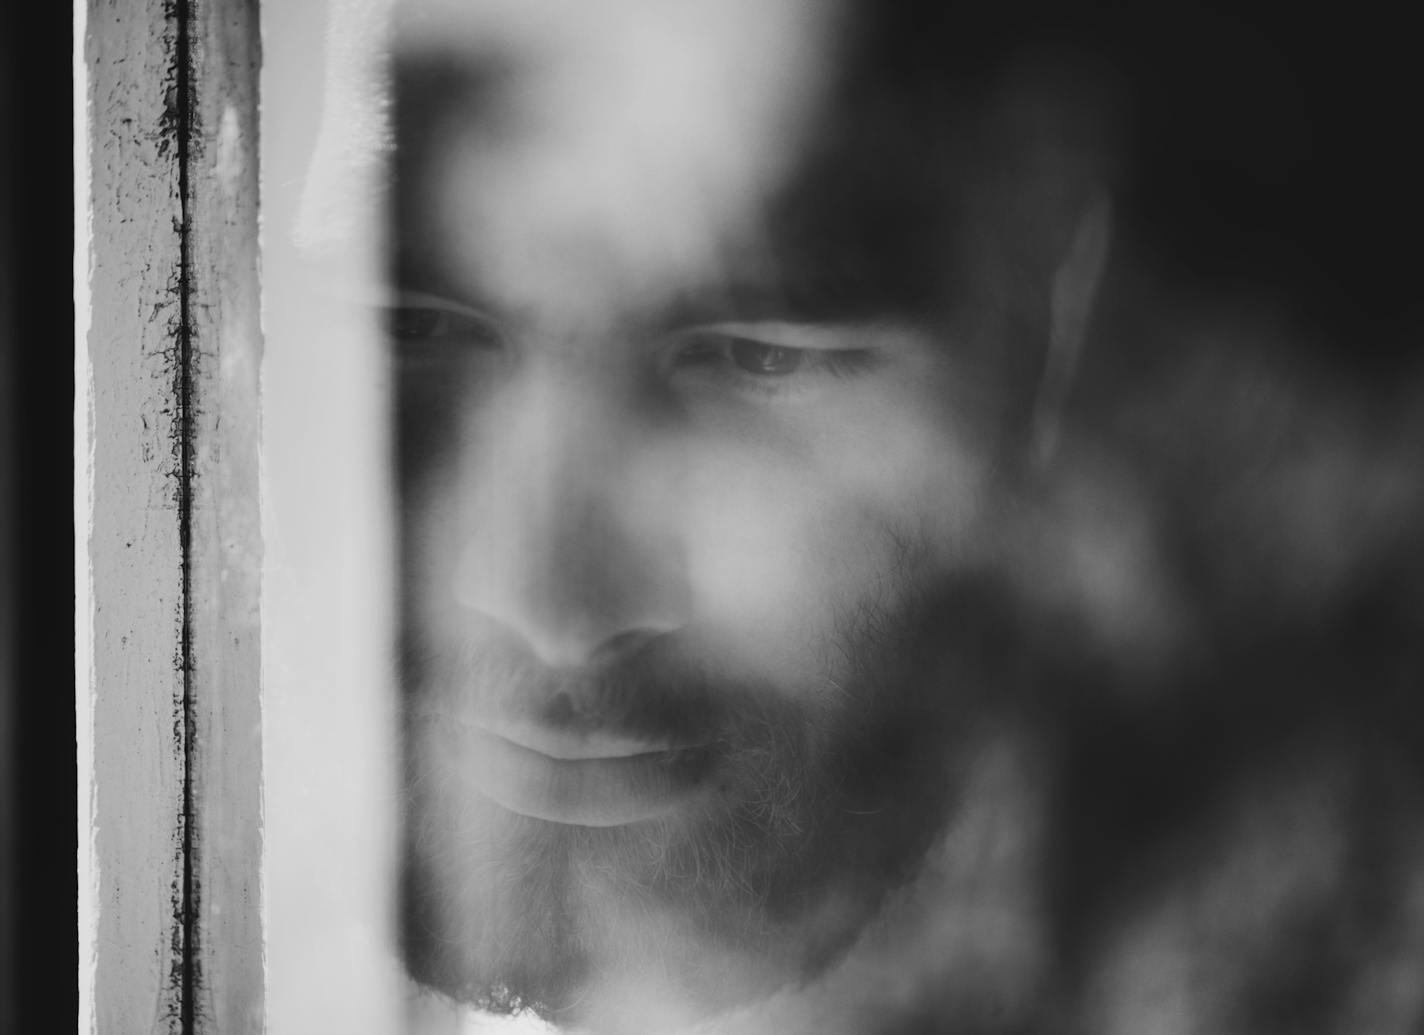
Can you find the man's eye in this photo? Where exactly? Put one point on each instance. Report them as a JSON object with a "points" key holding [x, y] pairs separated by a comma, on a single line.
{"points": [[406, 322], [757, 361], [757, 357], [417, 325]]}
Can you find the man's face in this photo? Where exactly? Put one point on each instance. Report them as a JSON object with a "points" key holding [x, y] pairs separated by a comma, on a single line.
{"points": [[694, 522]]}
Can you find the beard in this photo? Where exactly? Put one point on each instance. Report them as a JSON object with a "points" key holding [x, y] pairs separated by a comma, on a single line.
{"points": [[819, 805]]}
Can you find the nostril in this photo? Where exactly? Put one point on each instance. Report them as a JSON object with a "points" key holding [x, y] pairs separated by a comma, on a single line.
{"points": [[572, 649]]}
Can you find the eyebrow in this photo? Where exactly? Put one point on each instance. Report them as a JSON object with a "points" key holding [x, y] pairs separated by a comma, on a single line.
{"points": [[806, 291], [742, 301], [830, 254], [408, 275], [802, 297]]}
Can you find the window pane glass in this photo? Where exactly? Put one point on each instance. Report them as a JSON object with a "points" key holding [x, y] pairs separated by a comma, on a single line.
{"points": [[830, 517]]}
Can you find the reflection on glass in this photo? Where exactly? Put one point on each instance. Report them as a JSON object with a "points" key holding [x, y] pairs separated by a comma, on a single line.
{"points": [[781, 637]]}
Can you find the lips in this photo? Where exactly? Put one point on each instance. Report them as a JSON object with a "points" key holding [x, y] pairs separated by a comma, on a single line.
{"points": [[595, 780], [574, 743]]}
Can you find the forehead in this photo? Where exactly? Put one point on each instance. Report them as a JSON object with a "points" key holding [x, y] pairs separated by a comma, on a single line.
{"points": [[653, 155]]}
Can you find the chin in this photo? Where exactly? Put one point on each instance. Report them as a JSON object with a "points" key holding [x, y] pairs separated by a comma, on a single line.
{"points": [[711, 906], [818, 816]]}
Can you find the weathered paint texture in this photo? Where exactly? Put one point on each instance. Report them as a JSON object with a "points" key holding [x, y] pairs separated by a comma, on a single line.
{"points": [[132, 682], [169, 552]]}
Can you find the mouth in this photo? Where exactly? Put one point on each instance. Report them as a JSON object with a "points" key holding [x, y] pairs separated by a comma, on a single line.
{"points": [[593, 780]]}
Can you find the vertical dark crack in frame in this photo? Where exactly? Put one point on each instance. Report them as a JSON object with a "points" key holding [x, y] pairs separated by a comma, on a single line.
{"points": [[186, 355]]}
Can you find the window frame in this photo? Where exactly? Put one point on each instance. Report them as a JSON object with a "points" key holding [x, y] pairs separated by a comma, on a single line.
{"points": [[168, 533]]}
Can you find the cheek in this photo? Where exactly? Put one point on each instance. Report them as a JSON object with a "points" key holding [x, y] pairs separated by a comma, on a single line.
{"points": [[788, 541], [429, 539]]}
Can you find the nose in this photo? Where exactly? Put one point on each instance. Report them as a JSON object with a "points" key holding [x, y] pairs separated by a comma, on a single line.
{"points": [[569, 537]]}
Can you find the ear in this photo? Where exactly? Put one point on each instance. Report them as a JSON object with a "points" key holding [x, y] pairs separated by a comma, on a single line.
{"points": [[1073, 288]]}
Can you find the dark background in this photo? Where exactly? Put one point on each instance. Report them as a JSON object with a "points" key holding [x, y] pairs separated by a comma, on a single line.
{"points": [[1267, 153], [1271, 155], [38, 914]]}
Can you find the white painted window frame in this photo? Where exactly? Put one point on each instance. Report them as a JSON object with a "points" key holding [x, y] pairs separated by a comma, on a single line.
{"points": [[237, 792], [168, 545]]}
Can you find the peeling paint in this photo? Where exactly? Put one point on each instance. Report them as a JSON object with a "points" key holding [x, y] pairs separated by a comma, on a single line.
{"points": [[149, 350]]}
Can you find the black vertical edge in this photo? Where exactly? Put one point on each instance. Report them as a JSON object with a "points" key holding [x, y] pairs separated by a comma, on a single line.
{"points": [[39, 957], [8, 739], [175, 132]]}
